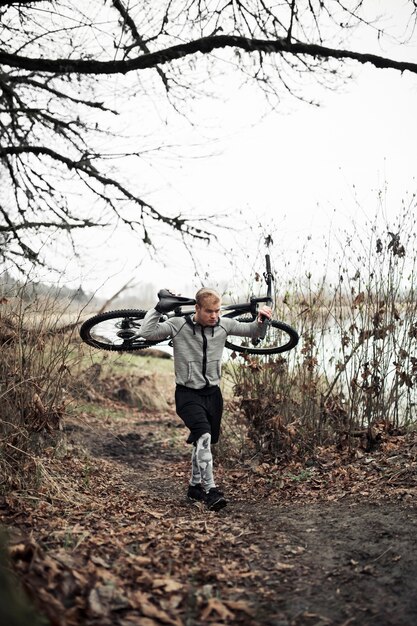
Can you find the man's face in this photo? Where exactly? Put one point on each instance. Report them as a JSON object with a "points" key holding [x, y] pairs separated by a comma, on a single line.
{"points": [[208, 313]]}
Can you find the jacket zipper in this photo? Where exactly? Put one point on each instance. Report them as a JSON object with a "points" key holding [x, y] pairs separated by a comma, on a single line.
{"points": [[204, 356]]}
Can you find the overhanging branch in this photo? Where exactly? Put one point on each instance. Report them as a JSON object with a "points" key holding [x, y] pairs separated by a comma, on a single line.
{"points": [[84, 166], [38, 225], [205, 45]]}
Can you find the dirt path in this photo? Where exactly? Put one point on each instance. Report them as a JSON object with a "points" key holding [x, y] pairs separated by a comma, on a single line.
{"points": [[133, 551]]}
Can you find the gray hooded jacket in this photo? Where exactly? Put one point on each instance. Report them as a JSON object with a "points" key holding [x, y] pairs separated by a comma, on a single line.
{"points": [[197, 349]]}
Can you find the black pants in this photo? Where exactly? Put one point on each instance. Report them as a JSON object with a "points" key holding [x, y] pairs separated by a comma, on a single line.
{"points": [[200, 410]]}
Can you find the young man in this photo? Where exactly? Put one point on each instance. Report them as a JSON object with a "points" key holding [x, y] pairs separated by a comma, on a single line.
{"points": [[198, 341]]}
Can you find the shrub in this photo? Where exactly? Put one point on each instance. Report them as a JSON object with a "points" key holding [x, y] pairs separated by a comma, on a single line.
{"points": [[34, 372], [355, 368]]}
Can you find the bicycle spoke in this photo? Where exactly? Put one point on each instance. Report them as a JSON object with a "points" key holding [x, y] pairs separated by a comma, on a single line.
{"points": [[115, 330]]}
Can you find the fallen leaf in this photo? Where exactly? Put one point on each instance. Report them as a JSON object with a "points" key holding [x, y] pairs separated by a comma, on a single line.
{"points": [[240, 605], [169, 584], [215, 606], [281, 567], [94, 604], [141, 602]]}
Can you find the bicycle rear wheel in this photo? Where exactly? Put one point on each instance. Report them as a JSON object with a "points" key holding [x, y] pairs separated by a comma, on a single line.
{"points": [[116, 330], [280, 337]]}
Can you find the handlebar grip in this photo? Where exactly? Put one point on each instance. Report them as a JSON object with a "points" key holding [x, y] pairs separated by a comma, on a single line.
{"points": [[268, 277], [268, 263]]}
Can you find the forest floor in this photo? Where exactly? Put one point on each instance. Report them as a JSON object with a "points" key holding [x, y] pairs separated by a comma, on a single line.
{"points": [[116, 543]]}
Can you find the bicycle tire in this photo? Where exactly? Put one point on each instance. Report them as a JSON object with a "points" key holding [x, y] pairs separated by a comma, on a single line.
{"points": [[267, 345], [116, 331]]}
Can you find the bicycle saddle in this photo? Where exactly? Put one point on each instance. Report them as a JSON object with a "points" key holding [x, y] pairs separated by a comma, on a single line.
{"points": [[171, 300]]}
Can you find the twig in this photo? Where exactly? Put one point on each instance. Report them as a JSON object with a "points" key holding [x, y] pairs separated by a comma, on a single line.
{"points": [[113, 297]]}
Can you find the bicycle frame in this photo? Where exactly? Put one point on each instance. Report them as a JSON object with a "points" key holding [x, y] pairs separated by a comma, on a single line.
{"points": [[247, 307]]}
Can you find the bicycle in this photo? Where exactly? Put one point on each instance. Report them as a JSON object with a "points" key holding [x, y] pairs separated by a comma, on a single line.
{"points": [[120, 330]]}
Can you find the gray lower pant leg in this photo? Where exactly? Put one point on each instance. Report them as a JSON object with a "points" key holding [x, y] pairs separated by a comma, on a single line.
{"points": [[195, 470], [202, 463]]}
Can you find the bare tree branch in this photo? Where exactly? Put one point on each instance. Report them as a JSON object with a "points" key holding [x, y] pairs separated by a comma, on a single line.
{"points": [[57, 225], [85, 166], [205, 45], [138, 40]]}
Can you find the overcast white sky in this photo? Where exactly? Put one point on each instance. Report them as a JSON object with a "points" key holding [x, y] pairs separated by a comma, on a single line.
{"points": [[307, 171]]}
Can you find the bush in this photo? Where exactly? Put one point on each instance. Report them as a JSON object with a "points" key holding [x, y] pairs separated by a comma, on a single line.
{"points": [[34, 372], [355, 368]]}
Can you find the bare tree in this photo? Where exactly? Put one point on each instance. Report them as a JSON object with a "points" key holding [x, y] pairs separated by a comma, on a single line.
{"points": [[58, 58]]}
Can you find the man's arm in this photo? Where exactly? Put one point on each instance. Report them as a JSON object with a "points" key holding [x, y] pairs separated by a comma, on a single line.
{"points": [[153, 329], [247, 329]]}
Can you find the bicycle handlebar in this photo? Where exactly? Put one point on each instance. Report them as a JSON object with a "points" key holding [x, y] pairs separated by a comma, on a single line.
{"points": [[171, 300], [268, 279]]}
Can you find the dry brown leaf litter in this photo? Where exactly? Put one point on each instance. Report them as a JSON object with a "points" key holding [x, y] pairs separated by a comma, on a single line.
{"points": [[117, 543]]}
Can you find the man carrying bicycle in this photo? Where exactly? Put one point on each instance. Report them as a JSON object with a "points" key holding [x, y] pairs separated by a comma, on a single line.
{"points": [[198, 341]]}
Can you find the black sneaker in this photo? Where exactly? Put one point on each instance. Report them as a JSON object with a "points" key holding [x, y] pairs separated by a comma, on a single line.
{"points": [[215, 500], [196, 493]]}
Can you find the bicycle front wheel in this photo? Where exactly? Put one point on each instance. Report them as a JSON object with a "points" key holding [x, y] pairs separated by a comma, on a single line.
{"points": [[116, 330], [280, 337]]}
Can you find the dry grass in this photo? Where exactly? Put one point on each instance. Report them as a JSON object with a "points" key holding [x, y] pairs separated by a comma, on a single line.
{"points": [[35, 371]]}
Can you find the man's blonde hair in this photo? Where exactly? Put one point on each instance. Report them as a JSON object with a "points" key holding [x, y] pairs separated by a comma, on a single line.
{"points": [[205, 293]]}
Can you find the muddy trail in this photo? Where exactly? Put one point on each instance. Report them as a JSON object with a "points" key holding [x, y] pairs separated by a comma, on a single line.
{"points": [[122, 546]]}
